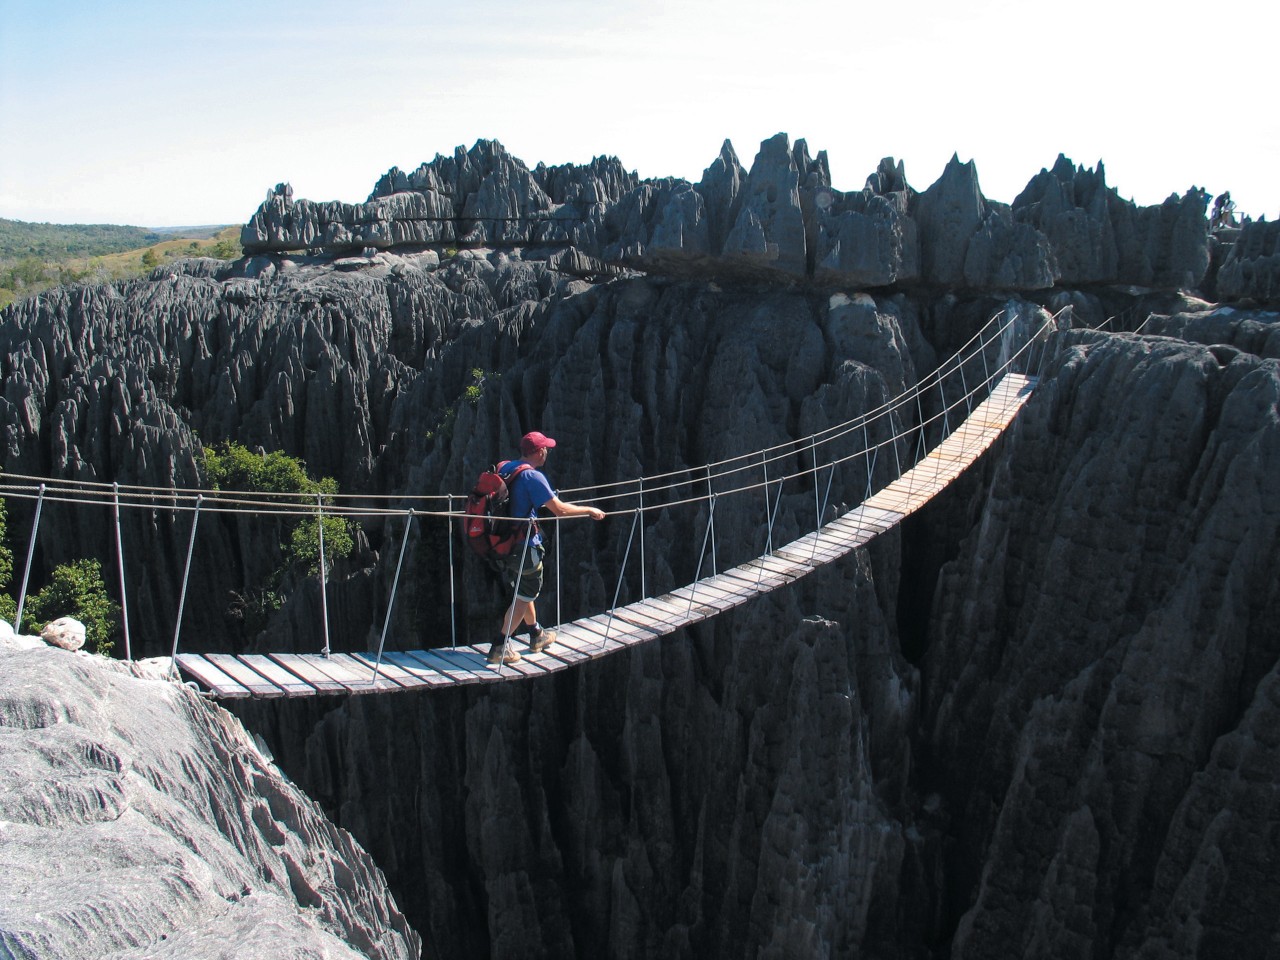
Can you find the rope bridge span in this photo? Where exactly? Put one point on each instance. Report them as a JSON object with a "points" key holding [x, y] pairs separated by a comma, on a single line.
{"points": [[982, 387]]}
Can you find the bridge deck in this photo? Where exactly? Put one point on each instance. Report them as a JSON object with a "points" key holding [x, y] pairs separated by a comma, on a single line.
{"points": [[299, 675]]}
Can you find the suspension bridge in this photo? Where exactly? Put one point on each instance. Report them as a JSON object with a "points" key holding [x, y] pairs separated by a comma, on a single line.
{"points": [[972, 397]]}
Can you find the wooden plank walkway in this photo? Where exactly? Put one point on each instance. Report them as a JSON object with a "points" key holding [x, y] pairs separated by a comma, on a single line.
{"points": [[295, 675]]}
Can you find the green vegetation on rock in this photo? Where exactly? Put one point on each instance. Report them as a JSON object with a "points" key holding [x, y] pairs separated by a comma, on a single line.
{"points": [[232, 466], [77, 590], [74, 590]]}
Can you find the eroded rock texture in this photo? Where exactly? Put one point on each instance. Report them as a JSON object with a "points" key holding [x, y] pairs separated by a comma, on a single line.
{"points": [[1103, 649], [781, 219], [1033, 721], [139, 821]]}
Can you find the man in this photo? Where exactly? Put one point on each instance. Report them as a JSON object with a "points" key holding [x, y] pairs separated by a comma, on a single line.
{"points": [[530, 491]]}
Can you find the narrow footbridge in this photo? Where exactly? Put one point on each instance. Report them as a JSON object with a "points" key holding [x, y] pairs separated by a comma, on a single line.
{"points": [[971, 398]]}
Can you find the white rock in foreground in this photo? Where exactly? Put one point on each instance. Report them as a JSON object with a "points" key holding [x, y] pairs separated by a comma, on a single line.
{"points": [[65, 632], [138, 820]]}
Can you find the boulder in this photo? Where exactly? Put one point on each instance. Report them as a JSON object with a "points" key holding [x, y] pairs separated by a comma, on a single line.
{"points": [[65, 632]]}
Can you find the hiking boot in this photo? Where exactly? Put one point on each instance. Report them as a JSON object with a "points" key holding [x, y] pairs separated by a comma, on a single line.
{"points": [[496, 654], [543, 640]]}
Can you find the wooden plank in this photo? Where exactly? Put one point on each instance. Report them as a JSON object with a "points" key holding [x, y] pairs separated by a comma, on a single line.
{"points": [[860, 530], [646, 623], [646, 628], [282, 678], [682, 609], [876, 516], [565, 649], [613, 632], [351, 673], [708, 595], [217, 682], [836, 543], [757, 580], [662, 617], [416, 668], [246, 676], [458, 667], [308, 673], [899, 500], [690, 597], [541, 663], [386, 667], [809, 551], [585, 642], [527, 666], [362, 677], [779, 566]]}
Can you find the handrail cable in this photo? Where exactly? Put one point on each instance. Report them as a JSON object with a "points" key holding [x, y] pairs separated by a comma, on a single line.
{"points": [[289, 505]]}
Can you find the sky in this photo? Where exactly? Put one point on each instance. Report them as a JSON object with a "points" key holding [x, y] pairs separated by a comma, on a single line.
{"points": [[183, 113]]}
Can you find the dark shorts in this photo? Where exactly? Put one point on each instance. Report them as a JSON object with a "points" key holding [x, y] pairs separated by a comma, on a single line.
{"points": [[530, 578]]}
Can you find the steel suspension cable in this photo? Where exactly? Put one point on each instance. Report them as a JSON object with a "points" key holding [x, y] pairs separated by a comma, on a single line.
{"points": [[186, 578], [26, 572]]}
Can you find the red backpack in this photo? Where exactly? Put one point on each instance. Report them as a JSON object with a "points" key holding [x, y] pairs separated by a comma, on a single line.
{"points": [[488, 526]]}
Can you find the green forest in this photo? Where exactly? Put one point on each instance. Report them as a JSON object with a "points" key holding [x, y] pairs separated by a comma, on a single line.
{"points": [[37, 256], [56, 241]]}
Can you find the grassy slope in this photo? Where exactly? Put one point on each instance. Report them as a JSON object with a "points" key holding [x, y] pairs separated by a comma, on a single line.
{"points": [[37, 256]]}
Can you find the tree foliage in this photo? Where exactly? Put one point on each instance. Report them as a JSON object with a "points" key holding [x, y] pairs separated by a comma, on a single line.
{"points": [[8, 606], [59, 241], [232, 466], [74, 590], [77, 590]]}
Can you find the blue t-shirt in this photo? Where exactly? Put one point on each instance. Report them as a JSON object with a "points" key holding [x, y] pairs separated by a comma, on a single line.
{"points": [[529, 491]]}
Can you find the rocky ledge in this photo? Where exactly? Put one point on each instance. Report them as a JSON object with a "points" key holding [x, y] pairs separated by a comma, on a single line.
{"points": [[138, 820]]}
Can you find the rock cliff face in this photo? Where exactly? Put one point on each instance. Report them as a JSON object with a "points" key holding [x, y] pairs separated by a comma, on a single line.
{"points": [[1034, 719], [1103, 663], [140, 821], [783, 218]]}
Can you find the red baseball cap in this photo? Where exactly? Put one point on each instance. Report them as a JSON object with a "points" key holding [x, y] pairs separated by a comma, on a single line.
{"points": [[534, 441]]}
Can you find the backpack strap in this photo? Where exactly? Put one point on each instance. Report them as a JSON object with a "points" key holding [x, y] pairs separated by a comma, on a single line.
{"points": [[509, 470]]}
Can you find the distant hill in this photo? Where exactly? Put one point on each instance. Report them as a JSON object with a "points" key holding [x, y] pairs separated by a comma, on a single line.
{"points": [[37, 256], [56, 241], [190, 233]]}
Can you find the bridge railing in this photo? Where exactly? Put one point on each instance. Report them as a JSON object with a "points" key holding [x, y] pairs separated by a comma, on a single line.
{"points": [[762, 495]]}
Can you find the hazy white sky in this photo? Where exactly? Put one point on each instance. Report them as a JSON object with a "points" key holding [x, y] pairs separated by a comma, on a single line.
{"points": [[169, 112]]}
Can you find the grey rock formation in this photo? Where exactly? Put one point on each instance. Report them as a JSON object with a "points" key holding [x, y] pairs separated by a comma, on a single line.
{"points": [[477, 196], [1103, 652], [781, 221], [140, 821], [1252, 266], [867, 239], [1072, 208], [768, 231], [1036, 715], [948, 214]]}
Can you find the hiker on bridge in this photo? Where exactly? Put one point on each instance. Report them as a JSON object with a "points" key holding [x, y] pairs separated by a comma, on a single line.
{"points": [[522, 570]]}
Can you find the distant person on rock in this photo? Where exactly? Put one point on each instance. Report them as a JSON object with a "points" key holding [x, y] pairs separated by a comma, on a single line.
{"points": [[1224, 211], [522, 570]]}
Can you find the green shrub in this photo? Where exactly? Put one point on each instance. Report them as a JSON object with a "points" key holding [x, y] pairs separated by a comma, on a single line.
{"points": [[304, 543], [6, 557], [231, 466], [77, 590], [8, 605]]}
